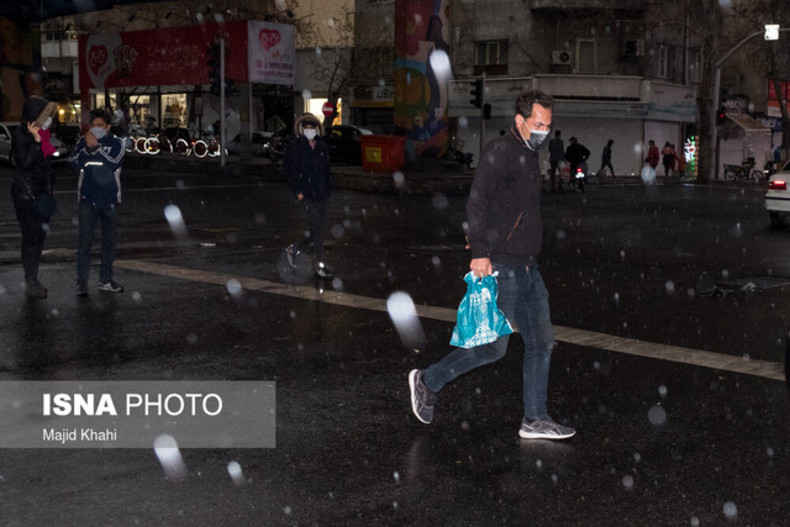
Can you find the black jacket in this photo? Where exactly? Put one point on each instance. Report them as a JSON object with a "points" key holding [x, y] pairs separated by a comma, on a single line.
{"points": [[32, 170], [576, 153], [306, 169], [503, 210]]}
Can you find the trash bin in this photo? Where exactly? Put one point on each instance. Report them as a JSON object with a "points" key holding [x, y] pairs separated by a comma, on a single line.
{"points": [[384, 153]]}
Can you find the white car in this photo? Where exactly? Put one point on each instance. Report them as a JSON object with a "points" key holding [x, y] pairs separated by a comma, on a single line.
{"points": [[7, 130], [777, 199]]}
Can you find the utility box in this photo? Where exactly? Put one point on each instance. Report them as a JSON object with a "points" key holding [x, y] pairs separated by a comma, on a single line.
{"points": [[383, 153]]}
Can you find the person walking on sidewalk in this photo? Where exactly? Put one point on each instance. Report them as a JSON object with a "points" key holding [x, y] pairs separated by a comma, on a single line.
{"points": [[306, 169], [606, 160], [652, 154], [33, 177], [98, 156], [668, 158], [556, 156], [505, 236]]}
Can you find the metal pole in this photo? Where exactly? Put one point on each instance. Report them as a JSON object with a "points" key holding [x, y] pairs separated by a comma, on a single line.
{"points": [[482, 117], [222, 133]]}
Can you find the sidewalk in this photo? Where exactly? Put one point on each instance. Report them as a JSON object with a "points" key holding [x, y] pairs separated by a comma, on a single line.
{"points": [[423, 179]]}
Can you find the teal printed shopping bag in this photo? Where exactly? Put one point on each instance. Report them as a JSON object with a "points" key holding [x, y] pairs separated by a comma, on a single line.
{"points": [[480, 321]]}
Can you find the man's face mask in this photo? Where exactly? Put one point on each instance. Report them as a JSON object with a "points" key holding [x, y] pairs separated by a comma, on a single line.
{"points": [[98, 132], [537, 139], [309, 133]]}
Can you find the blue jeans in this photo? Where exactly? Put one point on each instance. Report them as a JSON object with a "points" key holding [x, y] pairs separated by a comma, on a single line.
{"points": [[524, 300], [88, 214]]}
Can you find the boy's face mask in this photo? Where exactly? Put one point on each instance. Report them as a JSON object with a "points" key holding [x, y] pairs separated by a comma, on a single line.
{"points": [[98, 132]]}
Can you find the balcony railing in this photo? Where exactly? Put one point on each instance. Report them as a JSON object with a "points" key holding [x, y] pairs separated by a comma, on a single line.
{"points": [[565, 5]]}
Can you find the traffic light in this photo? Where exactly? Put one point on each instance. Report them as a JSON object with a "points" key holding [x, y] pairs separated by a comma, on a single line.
{"points": [[477, 94], [230, 87], [721, 115], [213, 64]]}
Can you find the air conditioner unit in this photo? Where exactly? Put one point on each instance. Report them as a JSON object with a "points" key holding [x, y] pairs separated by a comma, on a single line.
{"points": [[560, 57], [634, 48]]}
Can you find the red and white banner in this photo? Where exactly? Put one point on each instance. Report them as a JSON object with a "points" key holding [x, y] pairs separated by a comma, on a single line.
{"points": [[160, 57], [272, 52]]}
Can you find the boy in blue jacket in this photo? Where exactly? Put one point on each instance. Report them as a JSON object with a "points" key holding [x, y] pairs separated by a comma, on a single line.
{"points": [[98, 156]]}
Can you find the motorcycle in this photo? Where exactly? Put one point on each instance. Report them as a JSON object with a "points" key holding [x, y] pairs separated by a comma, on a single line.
{"points": [[742, 172], [769, 169]]}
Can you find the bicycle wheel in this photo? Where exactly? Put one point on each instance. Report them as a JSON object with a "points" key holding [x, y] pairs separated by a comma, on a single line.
{"points": [[182, 147], [152, 146], [200, 148], [139, 145]]}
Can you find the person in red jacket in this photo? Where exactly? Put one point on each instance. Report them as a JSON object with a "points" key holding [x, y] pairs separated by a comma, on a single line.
{"points": [[652, 154]]}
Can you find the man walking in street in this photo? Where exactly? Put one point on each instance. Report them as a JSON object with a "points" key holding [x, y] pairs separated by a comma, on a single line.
{"points": [[556, 155], [505, 236], [98, 156], [306, 168]]}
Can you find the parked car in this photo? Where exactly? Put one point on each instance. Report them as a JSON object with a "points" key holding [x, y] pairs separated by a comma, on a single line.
{"points": [[6, 132], [260, 140], [345, 145], [277, 142], [777, 198]]}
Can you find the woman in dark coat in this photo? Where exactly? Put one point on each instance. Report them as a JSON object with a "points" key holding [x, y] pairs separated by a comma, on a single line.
{"points": [[32, 178]]}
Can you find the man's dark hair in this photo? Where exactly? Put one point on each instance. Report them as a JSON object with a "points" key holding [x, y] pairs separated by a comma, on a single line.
{"points": [[100, 113], [527, 99], [557, 133]]}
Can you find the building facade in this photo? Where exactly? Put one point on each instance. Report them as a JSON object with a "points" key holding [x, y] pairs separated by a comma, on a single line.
{"points": [[622, 70]]}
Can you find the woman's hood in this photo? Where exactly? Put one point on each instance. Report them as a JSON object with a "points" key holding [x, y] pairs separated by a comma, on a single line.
{"points": [[32, 108], [308, 116]]}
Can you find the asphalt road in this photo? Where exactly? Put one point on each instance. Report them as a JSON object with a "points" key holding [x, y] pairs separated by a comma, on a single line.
{"points": [[678, 399]]}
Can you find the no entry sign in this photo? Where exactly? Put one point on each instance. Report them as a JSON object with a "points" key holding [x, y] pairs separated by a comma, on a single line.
{"points": [[327, 109]]}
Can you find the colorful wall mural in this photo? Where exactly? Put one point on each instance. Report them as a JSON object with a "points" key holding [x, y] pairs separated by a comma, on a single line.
{"points": [[422, 71], [20, 67]]}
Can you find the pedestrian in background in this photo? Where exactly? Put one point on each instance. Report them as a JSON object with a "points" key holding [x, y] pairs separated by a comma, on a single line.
{"points": [[505, 236], [606, 160], [306, 169], [668, 158], [33, 178], [577, 155], [97, 157], [556, 156], [652, 154]]}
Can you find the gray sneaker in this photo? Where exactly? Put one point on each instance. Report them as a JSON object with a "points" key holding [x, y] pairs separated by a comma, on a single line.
{"points": [[422, 399], [544, 429]]}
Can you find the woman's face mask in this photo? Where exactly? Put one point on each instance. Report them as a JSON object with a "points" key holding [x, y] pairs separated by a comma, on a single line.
{"points": [[98, 132], [46, 124], [309, 133]]}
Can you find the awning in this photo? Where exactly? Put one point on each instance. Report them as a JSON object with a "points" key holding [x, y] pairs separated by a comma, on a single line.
{"points": [[747, 123]]}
